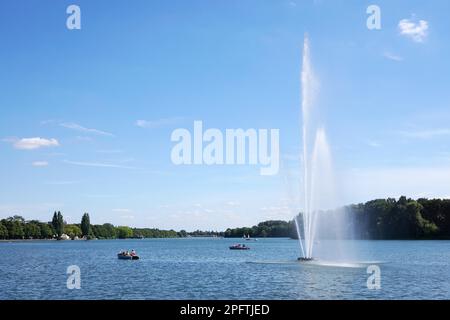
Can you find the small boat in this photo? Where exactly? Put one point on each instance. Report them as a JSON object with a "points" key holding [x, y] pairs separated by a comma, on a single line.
{"points": [[127, 256], [239, 247], [247, 238], [303, 259]]}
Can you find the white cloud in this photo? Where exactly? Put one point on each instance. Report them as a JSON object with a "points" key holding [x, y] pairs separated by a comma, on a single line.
{"points": [[153, 124], [32, 143], [417, 31], [39, 164], [392, 56], [77, 127]]}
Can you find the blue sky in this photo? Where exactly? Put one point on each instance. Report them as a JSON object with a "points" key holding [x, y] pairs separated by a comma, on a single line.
{"points": [[384, 101]]}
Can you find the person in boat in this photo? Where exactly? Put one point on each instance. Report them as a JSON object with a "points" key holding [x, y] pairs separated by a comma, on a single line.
{"points": [[133, 253]]}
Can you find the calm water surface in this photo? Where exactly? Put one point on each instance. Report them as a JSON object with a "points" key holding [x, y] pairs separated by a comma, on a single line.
{"points": [[207, 269]]}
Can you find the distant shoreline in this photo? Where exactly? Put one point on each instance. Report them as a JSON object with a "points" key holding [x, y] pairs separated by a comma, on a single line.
{"points": [[380, 219], [81, 240], [238, 238]]}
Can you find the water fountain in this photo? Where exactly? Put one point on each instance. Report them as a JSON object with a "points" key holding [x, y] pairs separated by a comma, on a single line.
{"points": [[317, 174]]}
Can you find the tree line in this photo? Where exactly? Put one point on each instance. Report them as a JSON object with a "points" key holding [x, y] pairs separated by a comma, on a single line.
{"points": [[390, 218], [266, 229], [404, 218], [381, 219], [16, 227]]}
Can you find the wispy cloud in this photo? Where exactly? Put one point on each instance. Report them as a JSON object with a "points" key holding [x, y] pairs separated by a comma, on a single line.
{"points": [[97, 164], [417, 31], [39, 164], [32, 143], [426, 134], [153, 124], [392, 56], [80, 128]]}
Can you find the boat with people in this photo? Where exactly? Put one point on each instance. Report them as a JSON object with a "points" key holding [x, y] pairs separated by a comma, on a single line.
{"points": [[127, 255], [239, 247]]}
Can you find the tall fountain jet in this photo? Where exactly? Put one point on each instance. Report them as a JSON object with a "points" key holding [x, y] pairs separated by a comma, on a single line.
{"points": [[317, 173]]}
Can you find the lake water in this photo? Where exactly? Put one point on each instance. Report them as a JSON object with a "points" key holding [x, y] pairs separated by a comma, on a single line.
{"points": [[207, 269]]}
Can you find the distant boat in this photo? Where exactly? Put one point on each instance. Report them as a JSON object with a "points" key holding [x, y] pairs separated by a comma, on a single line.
{"points": [[247, 238], [239, 247]]}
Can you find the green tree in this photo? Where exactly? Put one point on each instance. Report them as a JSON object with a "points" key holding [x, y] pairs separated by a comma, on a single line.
{"points": [[32, 230], [15, 226], [263, 233], [46, 231], [3, 231], [104, 231], [15, 230], [58, 223], [85, 225], [72, 230], [124, 232]]}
